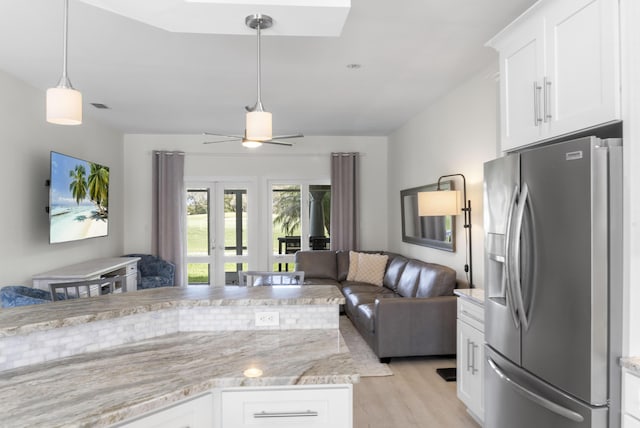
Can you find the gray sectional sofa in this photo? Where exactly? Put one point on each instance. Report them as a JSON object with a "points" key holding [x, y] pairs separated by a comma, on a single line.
{"points": [[413, 313]]}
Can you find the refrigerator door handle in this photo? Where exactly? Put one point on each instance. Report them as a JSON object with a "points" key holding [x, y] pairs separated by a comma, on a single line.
{"points": [[516, 286], [547, 404], [506, 267]]}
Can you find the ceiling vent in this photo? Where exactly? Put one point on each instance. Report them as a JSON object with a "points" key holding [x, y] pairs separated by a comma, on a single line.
{"points": [[100, 106]]}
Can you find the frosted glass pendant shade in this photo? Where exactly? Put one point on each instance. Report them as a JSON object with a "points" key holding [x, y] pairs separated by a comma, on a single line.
{"points": [[258, 126], [64, 106], [251, 144], [441, 202]]}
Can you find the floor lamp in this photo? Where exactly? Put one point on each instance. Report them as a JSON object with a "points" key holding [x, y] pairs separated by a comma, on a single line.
{"points": [[447, 202]]}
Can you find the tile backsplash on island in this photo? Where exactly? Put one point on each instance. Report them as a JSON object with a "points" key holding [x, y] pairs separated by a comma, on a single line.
{"points": [[129, 317]]}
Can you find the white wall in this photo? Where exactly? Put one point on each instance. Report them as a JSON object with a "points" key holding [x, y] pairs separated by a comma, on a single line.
{"points": [[309, 159], [630, 16], [456, 134], [26, 141]]}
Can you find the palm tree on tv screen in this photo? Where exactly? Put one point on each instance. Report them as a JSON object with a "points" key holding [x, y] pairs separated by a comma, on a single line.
{"points": [[98, 186], [78, 185]]}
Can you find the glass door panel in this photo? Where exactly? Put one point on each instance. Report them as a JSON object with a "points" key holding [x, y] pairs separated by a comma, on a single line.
{"points": [[236, 228], [300, 220], [198, 236], [286, 225], [319, 216]]}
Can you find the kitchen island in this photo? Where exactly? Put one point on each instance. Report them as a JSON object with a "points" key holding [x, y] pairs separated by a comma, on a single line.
{"points": [[198, 341]]}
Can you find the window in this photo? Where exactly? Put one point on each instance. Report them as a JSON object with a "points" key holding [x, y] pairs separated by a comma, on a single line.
{"points": [[300, 214]]}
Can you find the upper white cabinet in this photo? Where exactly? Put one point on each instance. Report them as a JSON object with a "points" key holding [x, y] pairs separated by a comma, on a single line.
{"points": [[559, 70]]}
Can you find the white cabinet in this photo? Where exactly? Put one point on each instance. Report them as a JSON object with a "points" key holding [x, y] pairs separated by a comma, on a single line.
{"points": [[195, 413], [319, 406], [470, 356], [559, 70], [630, 400], [127, 267], [316, 406]]}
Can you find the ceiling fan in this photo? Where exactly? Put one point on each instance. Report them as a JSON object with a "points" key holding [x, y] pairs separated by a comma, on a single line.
{"points": [[258, 129]]}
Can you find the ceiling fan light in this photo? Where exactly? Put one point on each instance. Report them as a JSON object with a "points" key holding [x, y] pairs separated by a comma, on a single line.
{"points": [[64, 106], [251, 144], [258, 126]]}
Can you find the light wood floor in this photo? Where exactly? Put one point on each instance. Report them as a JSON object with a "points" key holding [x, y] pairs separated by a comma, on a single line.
{"points": [[414, 397]]}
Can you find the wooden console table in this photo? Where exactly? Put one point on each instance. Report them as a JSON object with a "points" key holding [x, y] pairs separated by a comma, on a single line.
{"points": [[91, 269]]}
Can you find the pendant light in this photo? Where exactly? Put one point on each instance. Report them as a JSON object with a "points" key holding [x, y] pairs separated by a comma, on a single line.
{"points": [[258, 122], [64, 104]]}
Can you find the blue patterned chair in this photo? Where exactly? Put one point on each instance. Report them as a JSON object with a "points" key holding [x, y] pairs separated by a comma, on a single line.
{"points": [[19, 295], [153, 272]]}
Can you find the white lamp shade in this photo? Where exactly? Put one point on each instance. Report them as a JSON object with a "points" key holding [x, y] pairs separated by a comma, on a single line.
{"points": [[258, 126], [251, 144], [64, 106], [441, 202]]}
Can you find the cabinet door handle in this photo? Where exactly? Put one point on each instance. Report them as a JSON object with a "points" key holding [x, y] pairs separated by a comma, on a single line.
{"points": [[263, 414], [536, 104], [469, 364], [474, 370], [547, 99]]}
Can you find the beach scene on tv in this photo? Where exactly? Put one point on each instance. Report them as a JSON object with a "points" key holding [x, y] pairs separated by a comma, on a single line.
{"points": [[79, 199]]}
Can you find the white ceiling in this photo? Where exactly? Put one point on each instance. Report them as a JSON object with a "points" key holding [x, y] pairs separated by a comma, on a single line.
{"points": [[156, 81]]}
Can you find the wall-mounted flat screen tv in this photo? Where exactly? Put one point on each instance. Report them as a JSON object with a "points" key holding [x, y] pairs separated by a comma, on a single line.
{"points": [[78, 199]]}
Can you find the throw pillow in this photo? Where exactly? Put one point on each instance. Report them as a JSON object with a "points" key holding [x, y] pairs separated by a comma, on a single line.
{"points": [[371, 268], [353, 266]]}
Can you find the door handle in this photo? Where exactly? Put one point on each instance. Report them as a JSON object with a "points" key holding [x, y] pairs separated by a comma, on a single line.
{"points": [[474, 370], [536, 103], [506, 267], [469, 366], [516, 286], [536, 398], [263, 414], [547, 99]]}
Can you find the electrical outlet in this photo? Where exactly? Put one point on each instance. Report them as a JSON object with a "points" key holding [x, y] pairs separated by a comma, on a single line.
{"points": [[267, 319]]}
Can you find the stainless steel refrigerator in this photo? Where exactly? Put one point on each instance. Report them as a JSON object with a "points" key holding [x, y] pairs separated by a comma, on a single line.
{"points": [[553, 283]]}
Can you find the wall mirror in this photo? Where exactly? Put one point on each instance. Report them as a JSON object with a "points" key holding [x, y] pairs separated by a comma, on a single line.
{"points": [[435, 232]]}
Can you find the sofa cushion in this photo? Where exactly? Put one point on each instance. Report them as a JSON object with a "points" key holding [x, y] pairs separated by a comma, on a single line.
{"points": [[370, 268], [395, 268], [436, 280], [342, 260], [408, 281], [349, 287], [353, 300], [353, 265], [317, 264]]}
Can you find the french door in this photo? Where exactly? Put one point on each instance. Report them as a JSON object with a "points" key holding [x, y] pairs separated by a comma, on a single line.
{"points": [[221, 233]]}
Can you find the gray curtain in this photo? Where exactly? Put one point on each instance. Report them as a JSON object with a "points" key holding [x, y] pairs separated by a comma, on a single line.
{"points": [[344, 201], [169, 210]]}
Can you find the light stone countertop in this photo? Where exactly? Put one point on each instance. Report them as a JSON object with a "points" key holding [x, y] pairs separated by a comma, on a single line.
{"points": [[631, 363], [99, 389], [473, 294], [28, 319]]}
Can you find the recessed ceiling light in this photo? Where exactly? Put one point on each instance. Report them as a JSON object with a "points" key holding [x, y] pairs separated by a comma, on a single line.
{"points": [[354, 66]]}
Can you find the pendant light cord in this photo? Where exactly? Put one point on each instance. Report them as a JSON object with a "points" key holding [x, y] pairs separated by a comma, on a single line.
{"points": [[64, 79], [259, 102]]}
